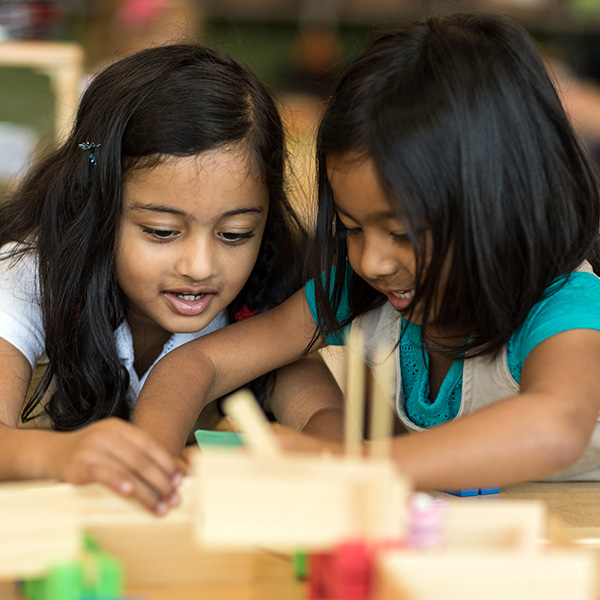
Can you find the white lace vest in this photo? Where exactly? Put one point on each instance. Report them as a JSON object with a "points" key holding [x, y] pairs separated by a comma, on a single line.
{"points": [[485, 381]]}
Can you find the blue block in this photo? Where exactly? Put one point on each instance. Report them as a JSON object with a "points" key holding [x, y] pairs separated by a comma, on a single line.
{"points": [[464, 492], [489, 490]]}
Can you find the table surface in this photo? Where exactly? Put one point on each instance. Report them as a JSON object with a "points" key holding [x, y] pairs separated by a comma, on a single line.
{"points": [[576, 505]]}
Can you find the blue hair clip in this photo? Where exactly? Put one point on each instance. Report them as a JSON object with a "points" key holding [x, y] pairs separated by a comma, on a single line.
{"points": [[91, 146]]}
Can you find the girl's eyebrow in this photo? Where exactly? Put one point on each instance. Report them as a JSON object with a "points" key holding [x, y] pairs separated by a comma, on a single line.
{"points": [[383, 214], [161, 208]]}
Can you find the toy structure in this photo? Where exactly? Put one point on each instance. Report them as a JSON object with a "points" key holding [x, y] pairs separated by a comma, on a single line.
{"points": [[356, 529]]}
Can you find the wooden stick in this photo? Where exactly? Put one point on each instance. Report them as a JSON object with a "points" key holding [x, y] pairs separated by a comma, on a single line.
{"points": [[355, 393], [243, 408], [382, 412]]}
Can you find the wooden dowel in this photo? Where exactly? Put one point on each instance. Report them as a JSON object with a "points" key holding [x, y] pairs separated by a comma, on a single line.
{"points": [[243, 408], [355, 394]]}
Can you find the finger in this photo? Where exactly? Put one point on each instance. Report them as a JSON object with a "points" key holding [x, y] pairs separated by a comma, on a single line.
{"points": [[186, 459], [149, 447], [136, 453], [113, 476], [146, 472]]}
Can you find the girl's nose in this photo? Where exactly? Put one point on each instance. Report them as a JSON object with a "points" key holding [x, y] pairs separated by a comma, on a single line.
{"points": [[377, 259], [196, 259]]}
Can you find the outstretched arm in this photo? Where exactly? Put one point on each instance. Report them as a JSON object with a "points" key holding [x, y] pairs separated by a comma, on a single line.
{"points": [[111, 451], [542, 430], [191, 376]]}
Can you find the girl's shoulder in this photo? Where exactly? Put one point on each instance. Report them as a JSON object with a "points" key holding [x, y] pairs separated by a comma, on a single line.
{"points": [[343, 309], [18, 264], [21, 322], [577, 288], [570, 302]]}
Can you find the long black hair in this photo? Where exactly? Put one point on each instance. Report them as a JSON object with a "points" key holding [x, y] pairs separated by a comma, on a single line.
{"points": [[176, 100], [472, 147]]}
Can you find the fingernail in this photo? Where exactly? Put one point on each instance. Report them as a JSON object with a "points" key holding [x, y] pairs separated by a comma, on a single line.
{"points": [[126, 487], [174, 499], [161, 508], [177, 478]]}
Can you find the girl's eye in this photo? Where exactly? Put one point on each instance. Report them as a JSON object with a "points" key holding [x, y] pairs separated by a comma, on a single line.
{"points": [[353, 231], [235, 238], [160, 234], [348, 231], [401, 238]]}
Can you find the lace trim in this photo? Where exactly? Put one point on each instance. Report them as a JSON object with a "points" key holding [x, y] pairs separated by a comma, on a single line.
{"points": [[414, 365]]}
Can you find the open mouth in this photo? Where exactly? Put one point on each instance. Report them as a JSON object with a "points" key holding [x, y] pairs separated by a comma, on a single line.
{"points": [[189, 304], [401, 300]]}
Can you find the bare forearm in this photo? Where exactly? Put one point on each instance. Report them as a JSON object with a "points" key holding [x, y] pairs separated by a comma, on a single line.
{"points": [[24, 453], [540, 431], [175, 392], [326, 424], [488, 448], [190, 377]]}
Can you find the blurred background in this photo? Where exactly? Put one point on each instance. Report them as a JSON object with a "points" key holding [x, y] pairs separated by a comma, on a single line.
{"points": [[49, 49]]}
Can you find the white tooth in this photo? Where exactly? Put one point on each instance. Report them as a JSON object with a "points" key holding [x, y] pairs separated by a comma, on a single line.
{"points": [[404, 295], [189, 297]]}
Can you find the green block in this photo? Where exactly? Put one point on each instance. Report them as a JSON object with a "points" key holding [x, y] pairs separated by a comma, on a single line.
{"points": [[97, 576], [103, 578], [217, 439], [300, 564], [63, 582]]}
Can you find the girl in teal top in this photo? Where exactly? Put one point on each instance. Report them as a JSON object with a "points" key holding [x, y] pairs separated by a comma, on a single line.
{"points": [[580, 293], [457, 207]]}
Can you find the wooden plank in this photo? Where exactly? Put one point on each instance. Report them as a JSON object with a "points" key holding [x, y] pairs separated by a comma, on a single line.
{"points": [[296, 501], [43, 523], [520, 525], [35, 531], [493, 575]]}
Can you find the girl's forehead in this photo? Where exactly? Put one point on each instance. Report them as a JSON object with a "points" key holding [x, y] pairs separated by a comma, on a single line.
{"points": [[351, 174], [211, 183], [347, 161], [357, 189]]}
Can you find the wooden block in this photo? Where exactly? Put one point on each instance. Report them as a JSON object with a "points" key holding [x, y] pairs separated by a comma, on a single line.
{"points": [[156, 550], [510, 524], [296, 501], [35, 532], [244, 409], [152, 550], [163, 554], [493, 575]]}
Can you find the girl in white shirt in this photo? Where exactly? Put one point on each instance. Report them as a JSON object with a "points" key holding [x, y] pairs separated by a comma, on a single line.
{"points": [[162, 217]]}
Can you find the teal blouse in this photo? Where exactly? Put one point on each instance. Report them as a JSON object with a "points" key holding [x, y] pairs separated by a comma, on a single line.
{"points": [[565, 305]]}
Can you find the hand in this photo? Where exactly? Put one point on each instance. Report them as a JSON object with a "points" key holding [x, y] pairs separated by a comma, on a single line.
{"points": [[120, 456]]}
